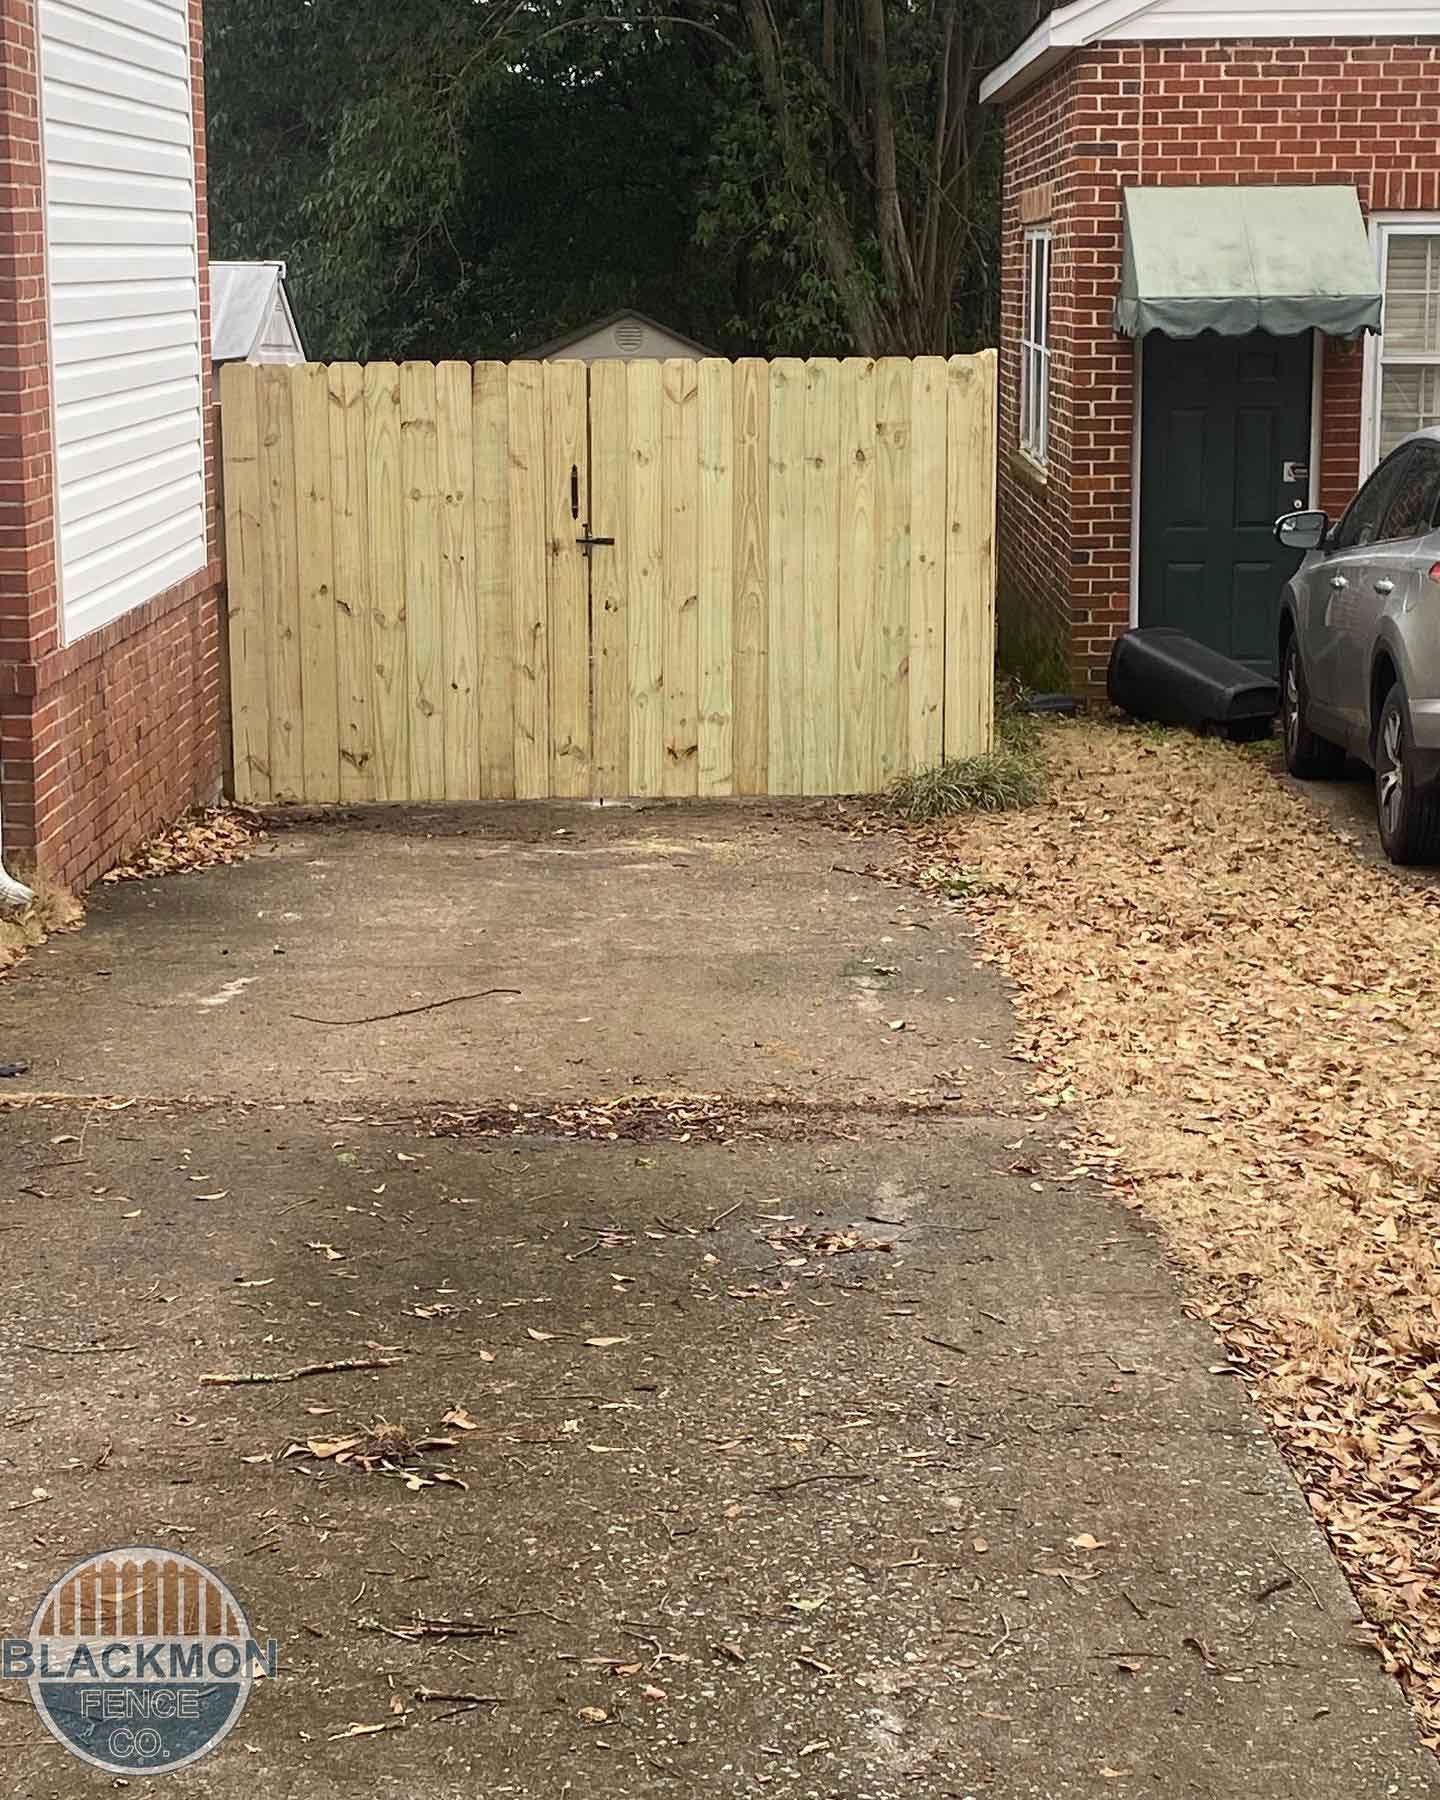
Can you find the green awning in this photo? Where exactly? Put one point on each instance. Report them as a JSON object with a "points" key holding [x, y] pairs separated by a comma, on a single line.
{"points": [[1238, 259]]}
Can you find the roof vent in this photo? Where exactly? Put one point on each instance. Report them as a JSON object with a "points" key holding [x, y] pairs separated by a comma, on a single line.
{"points": [[629, 336]]}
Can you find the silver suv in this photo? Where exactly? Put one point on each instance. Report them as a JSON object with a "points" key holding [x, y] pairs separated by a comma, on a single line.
{"points": [[1360, 645]]}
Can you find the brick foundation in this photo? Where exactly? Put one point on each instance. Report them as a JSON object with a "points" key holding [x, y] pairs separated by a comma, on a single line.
{"points": [[1364, 114], [104, 740]]}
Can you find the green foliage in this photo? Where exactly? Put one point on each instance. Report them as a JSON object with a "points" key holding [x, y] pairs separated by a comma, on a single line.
{"points": [[1009, 776], [466, 177]]}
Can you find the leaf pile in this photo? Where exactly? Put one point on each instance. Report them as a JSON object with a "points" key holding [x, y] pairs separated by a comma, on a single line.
{"points": [[201, 840], [387, 1449], [633, 1120], [1246, 1016]]}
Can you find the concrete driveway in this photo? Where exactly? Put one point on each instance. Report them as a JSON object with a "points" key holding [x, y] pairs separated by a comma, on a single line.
{"points": [[821, 1433]]}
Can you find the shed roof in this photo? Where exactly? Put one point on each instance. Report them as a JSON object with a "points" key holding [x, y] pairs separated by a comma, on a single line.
{"points": [[1086, 22], [242, 300], [566, 338]]}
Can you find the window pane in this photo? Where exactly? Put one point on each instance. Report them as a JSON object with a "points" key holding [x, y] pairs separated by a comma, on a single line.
{"points": [[1412, 293], [1409, 401], [1362, 520], [1413, 508]]}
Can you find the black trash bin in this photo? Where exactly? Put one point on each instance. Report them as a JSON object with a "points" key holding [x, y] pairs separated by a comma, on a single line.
{"points": [[1160, 674]]}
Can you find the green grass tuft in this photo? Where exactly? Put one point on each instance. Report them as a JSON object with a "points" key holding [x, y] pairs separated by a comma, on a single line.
{"points": [[1009, 776]]}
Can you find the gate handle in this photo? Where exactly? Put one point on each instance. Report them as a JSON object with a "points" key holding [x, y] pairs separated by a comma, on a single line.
{"points": [[574, 492]]}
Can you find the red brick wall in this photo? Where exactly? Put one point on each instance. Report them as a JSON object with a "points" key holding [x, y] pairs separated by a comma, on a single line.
{"points": [[104, 740], [1364, 114]]}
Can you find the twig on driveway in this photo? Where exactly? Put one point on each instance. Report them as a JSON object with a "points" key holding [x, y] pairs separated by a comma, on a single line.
{"points": [[785, 1487], [404, 1012], [259, 1378], [80, 1349]]}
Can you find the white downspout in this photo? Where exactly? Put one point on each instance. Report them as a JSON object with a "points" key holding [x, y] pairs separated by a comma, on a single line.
{"points": [[14, 895]]}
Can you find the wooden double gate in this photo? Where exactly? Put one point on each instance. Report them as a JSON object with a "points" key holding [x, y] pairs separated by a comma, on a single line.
{"points": [[788, 585]]}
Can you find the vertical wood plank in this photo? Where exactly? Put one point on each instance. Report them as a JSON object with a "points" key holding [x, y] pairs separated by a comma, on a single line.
{"points": [[460, 685], [493, 585], [349, 509], [646, 534], [389, 664], [752, 574], [530, 646], [424, 621], [567, 474], [609, 517], [786, 684], [856, 661], [715, 577], [929, 386], [822, 572], [281, 577], [244, 584], [970, 555], [892, 568], [320, 728], [681, 445]]}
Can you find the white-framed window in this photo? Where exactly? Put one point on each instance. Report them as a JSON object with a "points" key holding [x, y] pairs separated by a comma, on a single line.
{"points": [[1403, 365], [1035, 346]]}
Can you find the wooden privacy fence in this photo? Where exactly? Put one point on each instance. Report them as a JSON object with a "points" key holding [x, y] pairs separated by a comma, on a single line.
{"points": [[788, 583]]}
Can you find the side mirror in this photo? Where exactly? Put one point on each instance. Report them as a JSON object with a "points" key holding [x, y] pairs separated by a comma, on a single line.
{"points": [[1302, 530]]}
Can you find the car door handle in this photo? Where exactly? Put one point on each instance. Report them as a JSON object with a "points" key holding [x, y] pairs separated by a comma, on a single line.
{"points": [[1338, 581], [1384, 587]]}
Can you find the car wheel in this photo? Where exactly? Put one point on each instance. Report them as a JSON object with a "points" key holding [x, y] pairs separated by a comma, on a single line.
{"points": [[1309, 757], [1408, 818]]}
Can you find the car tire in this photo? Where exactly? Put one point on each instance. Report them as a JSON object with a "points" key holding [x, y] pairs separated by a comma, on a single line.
{"points": [[1307, 756], [1408, 818]]}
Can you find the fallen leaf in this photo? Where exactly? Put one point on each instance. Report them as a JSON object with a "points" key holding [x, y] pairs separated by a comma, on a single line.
{"points": [[460, 1419], [328, 1251], [540, 1337], [1086, 1541], [604, 1343], [593, 1715]]}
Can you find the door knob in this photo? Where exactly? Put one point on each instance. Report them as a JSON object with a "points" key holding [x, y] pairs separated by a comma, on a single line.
{"points": [[1384, 587]]}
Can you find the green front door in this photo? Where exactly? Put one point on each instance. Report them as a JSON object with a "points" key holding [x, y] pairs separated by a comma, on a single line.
{"points": [[1224, 448]]}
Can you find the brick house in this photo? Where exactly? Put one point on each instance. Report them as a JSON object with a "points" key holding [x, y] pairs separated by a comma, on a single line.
{"points": [[110, 609], [1181, 362]]}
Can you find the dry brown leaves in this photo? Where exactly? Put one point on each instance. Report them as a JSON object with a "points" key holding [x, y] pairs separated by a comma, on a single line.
{"points": [[1246, 1017], [634, 1120], [202, 839]]}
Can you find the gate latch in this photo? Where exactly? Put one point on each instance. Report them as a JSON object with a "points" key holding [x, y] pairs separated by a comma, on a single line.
{"points": [[588, 543]]}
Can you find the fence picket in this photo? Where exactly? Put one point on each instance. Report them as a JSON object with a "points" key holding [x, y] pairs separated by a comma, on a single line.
{"points": [[926, 663], [245, 587], [315, 573], [349, 508], [279, 566], [424, 618], [821, 628], [751, 574], [787, 577], [460, 685], [715, 576], [970, 555], [856, 660], [530, 640], [609, 610], [893, 548], [389, 673], [495, 633], [646, 636]]}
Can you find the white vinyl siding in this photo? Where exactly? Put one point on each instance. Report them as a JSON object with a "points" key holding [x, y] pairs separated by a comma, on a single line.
{"points": [[122, 259], [1035, 348]]}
